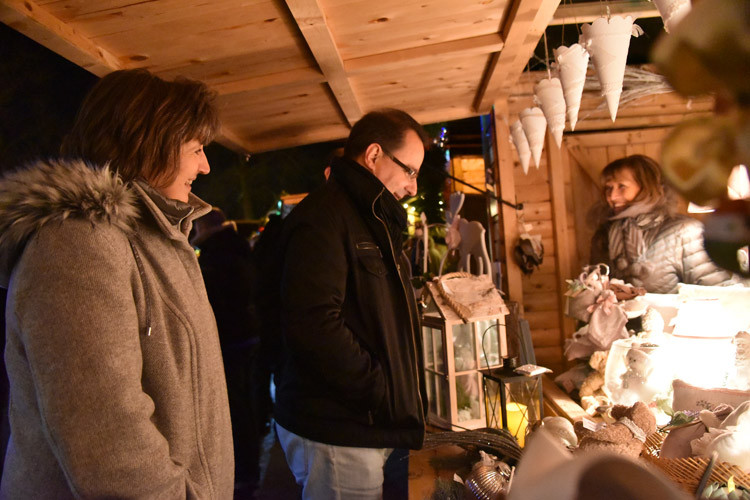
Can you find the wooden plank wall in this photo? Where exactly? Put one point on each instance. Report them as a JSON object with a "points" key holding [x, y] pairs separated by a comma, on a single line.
{"points": [[541, 288]]}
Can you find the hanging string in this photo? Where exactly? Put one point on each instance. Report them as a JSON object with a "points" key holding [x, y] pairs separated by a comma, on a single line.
{"points": [[546, 56]]}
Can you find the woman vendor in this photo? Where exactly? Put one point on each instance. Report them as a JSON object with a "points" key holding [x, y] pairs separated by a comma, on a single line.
{"points": [[644, 242]]}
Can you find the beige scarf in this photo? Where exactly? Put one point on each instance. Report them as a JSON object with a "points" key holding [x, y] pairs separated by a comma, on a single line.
{"points": [[631, 232]]}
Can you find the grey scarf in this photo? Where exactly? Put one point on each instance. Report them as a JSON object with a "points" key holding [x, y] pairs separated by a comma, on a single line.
{"points": [[631, 232]]}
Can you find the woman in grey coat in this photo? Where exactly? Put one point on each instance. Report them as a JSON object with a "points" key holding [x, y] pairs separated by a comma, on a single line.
{"points": [[644, 242], [116, 382]]}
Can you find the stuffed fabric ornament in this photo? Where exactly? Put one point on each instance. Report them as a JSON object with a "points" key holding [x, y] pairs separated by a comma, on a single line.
{"points": [[607, 39], [635, 384], [591, 393], [528, 253], [626, 436], [572, 64], [561, 428], [548, 94], [730, 439]]}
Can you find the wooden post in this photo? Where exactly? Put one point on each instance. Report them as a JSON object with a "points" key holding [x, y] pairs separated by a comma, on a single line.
{"points": [[506, 189], [556, 174]]}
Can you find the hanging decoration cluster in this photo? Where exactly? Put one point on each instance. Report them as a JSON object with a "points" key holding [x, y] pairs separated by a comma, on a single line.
{"points": [[605, 42]]}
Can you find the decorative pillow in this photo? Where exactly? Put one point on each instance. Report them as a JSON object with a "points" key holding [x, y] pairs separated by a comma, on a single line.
{"points": [[689, 397]]}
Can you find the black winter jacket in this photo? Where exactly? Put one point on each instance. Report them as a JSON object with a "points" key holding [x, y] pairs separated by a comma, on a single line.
{"points": [[352, 364]]}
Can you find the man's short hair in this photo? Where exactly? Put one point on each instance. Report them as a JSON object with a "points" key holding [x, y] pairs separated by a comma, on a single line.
{"points": [[386, 127]]}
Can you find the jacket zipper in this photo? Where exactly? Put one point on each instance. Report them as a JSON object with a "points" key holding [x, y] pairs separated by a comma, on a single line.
{"points": [[406, 296]]}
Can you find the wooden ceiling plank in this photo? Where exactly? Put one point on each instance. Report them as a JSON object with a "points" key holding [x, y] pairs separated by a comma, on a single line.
{"points": [[482, 44], [300, 76], [38, 24], [524, 24], [312, 23], [588, 12]]}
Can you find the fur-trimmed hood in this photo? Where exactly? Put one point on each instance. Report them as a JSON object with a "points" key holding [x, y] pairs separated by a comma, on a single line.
{"points": [[53, 191]]}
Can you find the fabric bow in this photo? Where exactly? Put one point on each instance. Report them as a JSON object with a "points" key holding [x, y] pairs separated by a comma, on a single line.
{"points": [[606, 301]]}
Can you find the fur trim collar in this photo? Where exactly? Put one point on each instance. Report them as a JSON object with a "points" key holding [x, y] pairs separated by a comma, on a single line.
{"points": [[52, 192]]}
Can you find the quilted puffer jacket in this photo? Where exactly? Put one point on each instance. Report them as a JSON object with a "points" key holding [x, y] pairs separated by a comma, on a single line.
{"points": [[676, 255]]}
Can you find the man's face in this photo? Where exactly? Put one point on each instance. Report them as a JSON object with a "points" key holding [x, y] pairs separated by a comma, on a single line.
{"points": [[396, 179]]}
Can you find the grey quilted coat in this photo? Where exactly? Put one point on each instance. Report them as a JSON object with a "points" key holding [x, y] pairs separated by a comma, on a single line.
{"points": [[676, 255], [116, 382]]}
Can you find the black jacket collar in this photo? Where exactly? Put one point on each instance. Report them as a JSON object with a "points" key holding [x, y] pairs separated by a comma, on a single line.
{"points": [[368, 193]]}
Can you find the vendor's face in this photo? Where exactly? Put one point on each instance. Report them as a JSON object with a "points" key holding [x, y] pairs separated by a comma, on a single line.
{"points": [[385, 165], [621, 190], [192, 162]]}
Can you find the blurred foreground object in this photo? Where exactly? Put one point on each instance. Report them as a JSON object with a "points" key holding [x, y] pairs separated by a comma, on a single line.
{"points": [[708, 52]]}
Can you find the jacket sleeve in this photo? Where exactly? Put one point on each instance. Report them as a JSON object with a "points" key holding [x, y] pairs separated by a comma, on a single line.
{"points": [[314, 281], [697, 266], [79, 327]]}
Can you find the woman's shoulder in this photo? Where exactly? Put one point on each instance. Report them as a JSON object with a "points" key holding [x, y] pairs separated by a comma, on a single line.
{"points": [[61, 202], [682, 225]]}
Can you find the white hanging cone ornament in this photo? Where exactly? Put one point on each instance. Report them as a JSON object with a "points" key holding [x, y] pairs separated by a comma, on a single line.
{"points": [[672, 12], [534, 126], [572, 63], [522, 145], [548, 94], [608, 41]]}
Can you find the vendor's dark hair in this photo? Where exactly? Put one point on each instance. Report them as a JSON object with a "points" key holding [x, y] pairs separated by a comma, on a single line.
{"points": [[646, 172], [137, 123], [386, 127]]}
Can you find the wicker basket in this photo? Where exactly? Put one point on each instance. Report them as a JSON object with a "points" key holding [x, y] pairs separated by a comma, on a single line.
{"points": [[687, 472]]}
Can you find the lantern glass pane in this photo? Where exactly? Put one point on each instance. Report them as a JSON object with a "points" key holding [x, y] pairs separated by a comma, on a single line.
{"points": [[467, 397], [464, 347], [443, 398], [489, 338], [431, 383], [437, 336], [517, 398], [525, 392], [427, 346]]}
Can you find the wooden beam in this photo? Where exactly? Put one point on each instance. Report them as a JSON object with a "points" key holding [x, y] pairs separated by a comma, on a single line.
{"points": [[312, 23], [592, 139], [506, 189], [38, 24], [522, 28], [564, 269], [230, 140], [588, 12], [483, 44]]}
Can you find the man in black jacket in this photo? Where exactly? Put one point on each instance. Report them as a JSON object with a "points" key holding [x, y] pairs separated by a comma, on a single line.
{"points": [[351, 385]]}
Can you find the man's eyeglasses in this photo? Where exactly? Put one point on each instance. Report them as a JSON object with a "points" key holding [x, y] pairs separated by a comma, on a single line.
{"points": [[409, 171]]}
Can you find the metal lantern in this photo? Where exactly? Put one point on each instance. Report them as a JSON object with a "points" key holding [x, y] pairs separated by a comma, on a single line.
{"points": [[455, 352], [512, 401]]}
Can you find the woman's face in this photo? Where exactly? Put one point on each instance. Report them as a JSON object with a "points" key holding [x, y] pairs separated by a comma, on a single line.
{"points": [[192, 162], [621, 190]]}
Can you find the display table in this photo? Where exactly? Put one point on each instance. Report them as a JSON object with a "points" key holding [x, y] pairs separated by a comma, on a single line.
{"points": [[426, 466]]}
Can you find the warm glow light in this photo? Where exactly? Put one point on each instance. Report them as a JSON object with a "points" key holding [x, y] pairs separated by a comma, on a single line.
{"points": [[517, 421]]}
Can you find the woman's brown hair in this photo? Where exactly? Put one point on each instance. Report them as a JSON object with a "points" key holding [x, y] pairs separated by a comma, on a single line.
{"points": [[646, 173], [136, 122]]}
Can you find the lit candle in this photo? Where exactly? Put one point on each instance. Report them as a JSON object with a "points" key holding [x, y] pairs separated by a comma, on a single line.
{"points": [[517, 421]]}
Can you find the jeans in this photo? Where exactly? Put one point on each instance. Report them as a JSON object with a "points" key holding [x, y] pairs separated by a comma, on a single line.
{"points": [[328, 472]]}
